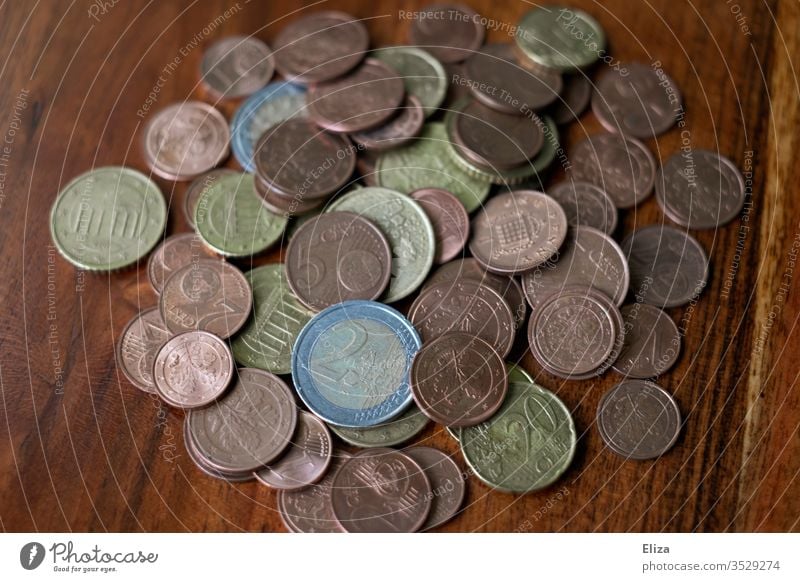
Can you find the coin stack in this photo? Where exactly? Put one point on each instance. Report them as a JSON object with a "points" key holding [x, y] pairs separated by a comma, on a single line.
{"points": [[301, 375]]}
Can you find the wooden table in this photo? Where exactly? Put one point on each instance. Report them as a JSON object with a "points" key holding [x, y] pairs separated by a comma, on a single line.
{"points": [[82, 449]]}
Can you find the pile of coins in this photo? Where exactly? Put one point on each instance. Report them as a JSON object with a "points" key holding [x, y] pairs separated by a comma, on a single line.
{"points": [[452, 140]]}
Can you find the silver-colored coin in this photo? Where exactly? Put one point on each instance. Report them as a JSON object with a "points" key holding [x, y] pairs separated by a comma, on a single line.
{"points": [[307, 459], [638, 420], [585, 205], [668, 267], [588, 257], [652, 342], [700, 189], [621, 166]]}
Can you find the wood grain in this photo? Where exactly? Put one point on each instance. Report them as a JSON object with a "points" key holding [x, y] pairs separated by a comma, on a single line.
{"points": [[84, 450]]}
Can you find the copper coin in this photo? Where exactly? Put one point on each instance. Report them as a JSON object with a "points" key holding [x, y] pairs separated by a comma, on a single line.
{"points": [[192, 369], [469, 268], [381, 490], [450, 32], [185, 140], [644, 102], [495, 139], [621, 166], [585, 205], [307, 459], [365, 162], [208, 295], [500, 83], [588, 257], [202, 464], [296, 158], [137, 347], [668, 267], [336, 257], [175, 252], [196, 190], [573, 99], [652, 342], [283, 205], [397, 131], [320, 47], [458, 380], [464, 305], [236, 66], [638, 420], [576, 333], [447, 484], [517, 231], [700, 189], [310, 510], [363, 99], [449, 219], [249, 427]]}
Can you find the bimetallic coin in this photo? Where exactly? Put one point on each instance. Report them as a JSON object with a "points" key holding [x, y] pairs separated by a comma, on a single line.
{"points": [[497, 81], [307, 459], [231, 219], [588, 257], [297, 159], [404, 428], [621, 166], [185, 140], [517, 231], [364, 99], [398, 131], [464, 305], [458, 380], [585, 205], [350, 363], [450, 32], [449, 219], [560, 38], [175, 252], [236, 66], [381, 490], [249, 427], [197, 188], [407, 228], [267, 338], [267, 108], [469, 268], [642, 101], [652, 342], [425, 164], [526, 446], [207, 295], [320, 47], [573, 99], [137, 347], [668, 267], [447, 484], [309, 510], [494, 139], [700, 189], [576, 333], [423, 76], [107, 218], [638, 420], [192, 369], [336, 257]]}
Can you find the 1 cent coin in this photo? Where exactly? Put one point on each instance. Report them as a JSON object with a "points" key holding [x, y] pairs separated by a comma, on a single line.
{"points": [[335, 257], [175, 252], [138, 345], [458, 380], [192, 369], [449, 219], [652, 342], [447, 484], [517, 231]]}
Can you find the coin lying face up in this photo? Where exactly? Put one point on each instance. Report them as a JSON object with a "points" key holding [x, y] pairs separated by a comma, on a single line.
{"points": [[350, 363]]}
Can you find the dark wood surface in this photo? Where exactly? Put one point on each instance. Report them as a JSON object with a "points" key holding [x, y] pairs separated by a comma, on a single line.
{"points": [[81, 449]]}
